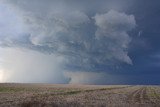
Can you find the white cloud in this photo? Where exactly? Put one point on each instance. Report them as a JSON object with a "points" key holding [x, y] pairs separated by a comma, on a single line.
{"points": [[115, 21]]}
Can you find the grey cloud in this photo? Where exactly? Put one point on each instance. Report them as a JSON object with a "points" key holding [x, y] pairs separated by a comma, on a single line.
{"points": [[60, 5], [63, 33], [83, 77], [84, 41], [113, 27], [110, 41], [50, 29]]}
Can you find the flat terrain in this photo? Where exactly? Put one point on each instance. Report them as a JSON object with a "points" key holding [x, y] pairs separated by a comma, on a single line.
{"points": [[51, 95]]}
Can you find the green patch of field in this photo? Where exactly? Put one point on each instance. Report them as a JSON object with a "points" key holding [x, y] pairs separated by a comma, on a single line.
{"points": [[11, 89]]}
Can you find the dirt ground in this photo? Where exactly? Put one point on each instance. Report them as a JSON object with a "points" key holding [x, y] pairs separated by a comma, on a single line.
{"points": [[60, 95]]}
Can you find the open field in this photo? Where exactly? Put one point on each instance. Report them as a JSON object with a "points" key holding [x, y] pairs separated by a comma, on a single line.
{"points": [[49, 95]]}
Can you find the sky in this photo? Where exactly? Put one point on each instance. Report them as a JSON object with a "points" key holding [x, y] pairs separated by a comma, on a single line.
{"points": [[80, 41]]}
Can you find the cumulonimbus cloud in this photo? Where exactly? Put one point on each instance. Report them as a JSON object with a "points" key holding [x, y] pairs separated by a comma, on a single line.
{"points": [[84, 41]]}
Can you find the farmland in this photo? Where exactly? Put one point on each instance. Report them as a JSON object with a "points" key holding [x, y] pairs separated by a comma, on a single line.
{"points": [[70, 95]]}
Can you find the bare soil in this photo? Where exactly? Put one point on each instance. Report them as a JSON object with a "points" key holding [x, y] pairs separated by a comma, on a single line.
{"points": [[63, 95]]}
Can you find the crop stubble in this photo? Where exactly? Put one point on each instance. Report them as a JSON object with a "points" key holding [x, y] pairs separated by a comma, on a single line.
{"points": [[60, 95]]}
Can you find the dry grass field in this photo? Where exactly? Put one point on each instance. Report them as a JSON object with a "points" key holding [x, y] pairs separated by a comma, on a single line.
{"points": [[50, 95]]}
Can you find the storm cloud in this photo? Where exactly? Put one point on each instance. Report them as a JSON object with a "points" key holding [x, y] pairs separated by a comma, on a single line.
{"points": [[51, 31]]}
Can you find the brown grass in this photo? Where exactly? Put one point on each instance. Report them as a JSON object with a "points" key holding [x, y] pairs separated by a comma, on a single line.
{"points": [[59, 95]]}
